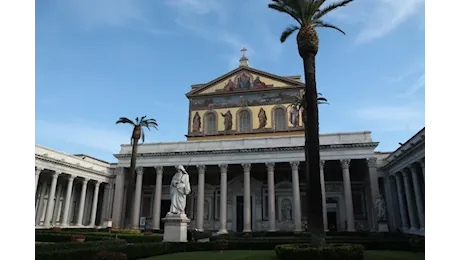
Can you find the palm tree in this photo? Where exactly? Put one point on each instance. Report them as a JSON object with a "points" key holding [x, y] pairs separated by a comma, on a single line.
{"points": [[308, 15], [137, 134]]}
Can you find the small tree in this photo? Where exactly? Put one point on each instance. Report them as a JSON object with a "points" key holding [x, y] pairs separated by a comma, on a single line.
{"points": [[138, 133]]}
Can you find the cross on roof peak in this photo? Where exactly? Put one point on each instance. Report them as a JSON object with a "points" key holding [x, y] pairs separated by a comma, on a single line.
{"points": [[244, 51]]}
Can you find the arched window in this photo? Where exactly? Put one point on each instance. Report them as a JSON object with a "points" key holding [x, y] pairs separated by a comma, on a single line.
{"points": [[210, 124], [245, 121], [280, 119]]}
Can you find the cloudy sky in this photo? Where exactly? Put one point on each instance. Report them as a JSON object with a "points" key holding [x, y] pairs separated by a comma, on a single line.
{"points": [[98, 60]]}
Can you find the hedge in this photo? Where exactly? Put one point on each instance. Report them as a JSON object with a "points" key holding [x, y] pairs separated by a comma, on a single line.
{"points": [[144, 250], [48, 236], [329, 252], [78, 245]]}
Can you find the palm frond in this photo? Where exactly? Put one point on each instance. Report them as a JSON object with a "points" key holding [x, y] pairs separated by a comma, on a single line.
{"points": [[311, 7], [300, 101], [283, 7], [124, 120], [320, 13], [137, 120], [142, 118], [320, 23], [149, 123], [287, 32]]}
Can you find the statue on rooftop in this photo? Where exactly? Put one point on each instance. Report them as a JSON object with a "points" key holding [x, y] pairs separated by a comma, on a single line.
{"points": [[196, 127], [262, 118], [228, 121]]}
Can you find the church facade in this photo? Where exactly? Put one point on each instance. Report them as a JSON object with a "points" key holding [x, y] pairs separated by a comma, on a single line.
{"points": [[244, 153]]}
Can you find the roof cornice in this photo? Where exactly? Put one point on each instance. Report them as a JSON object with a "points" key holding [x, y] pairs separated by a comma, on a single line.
{"points": [[248, 150]]}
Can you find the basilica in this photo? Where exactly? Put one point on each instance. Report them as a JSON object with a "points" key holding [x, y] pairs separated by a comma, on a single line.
{"points": [[245, 157]]}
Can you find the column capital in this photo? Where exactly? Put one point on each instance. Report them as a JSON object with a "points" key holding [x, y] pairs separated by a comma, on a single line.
{"points": [[223, 167], [140, 170], [270, 166], [201, 168], [72, 177], [119, 171], [38, 170], [294, 165], [98, 183], [422, 162], [159, 169], [405, 173], [345, 163], [85, 181], [56, 174], [246, 167], [371, 162], [322, 163]]}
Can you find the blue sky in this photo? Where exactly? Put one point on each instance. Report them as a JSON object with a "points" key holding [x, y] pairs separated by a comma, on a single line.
{"points": [[98, 60]]}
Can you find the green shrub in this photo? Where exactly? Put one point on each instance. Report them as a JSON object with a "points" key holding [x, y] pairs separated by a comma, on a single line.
{"points": [[109, 255], [220, 244], [48, 236], [78, 253], [77, 245], [329, 252]]}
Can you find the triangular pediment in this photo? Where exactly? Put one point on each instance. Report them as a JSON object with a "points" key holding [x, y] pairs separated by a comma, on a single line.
{"points": [[244, 79]]}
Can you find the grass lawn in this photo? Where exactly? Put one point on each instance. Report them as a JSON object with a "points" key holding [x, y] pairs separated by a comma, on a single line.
{"points": [[270, 255]]}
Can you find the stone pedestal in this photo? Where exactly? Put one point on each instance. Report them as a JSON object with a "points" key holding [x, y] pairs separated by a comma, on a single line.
{"points": [[175, 229], [107, 224], [382, 227]]}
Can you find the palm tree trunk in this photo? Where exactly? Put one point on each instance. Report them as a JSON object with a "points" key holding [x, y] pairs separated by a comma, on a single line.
{"points": [[315, 207], [130, 186]]}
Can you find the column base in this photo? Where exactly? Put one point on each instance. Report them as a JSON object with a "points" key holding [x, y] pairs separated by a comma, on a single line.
{"points": [[222, 232], [413, 230], [247, 230], [199, 229], [272, 230]]}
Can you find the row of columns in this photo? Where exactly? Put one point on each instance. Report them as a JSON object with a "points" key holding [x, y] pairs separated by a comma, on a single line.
{"points": [[247, 195], [410, 198], [52, 196]]}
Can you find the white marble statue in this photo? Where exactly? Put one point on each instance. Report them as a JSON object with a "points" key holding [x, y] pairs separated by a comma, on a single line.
{"points": [[179, 189], [381, 208]]}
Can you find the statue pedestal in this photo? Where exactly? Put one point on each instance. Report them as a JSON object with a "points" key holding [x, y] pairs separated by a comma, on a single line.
{"points": [[382, 227], [175, 228]]}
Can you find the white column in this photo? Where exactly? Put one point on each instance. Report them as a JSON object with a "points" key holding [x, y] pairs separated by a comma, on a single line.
{"points": [[157, 198], [323, 192], [402, 202], [296, 196], [348, 196], [81, 205], [57, 199], [200, 208], [41, 206], [94, 206], [418, 197], [51, 195], [271, 196], [422, 164], [68, 195], [105, 203], [37, 176], [110, 200], [410, 202], [118, 197], [374, 185], [223, 199], [137, 197], [247, 197]]}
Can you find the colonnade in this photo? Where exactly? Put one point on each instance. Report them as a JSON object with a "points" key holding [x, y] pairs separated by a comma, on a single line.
{"points": [[410, 196], [51, 209], [246, 167]]}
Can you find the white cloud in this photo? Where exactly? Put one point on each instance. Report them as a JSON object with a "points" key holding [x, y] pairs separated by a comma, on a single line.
{"points": [[408, 117], [377, 18], [103, 138], [94, 14], [418, 85]]}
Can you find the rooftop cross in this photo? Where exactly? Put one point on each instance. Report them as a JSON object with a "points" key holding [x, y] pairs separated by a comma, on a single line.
{"points": [[243, 51]]}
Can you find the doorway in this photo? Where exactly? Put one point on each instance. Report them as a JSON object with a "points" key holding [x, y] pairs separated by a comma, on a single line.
{"points": [[240, 213], [332, 221]]}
